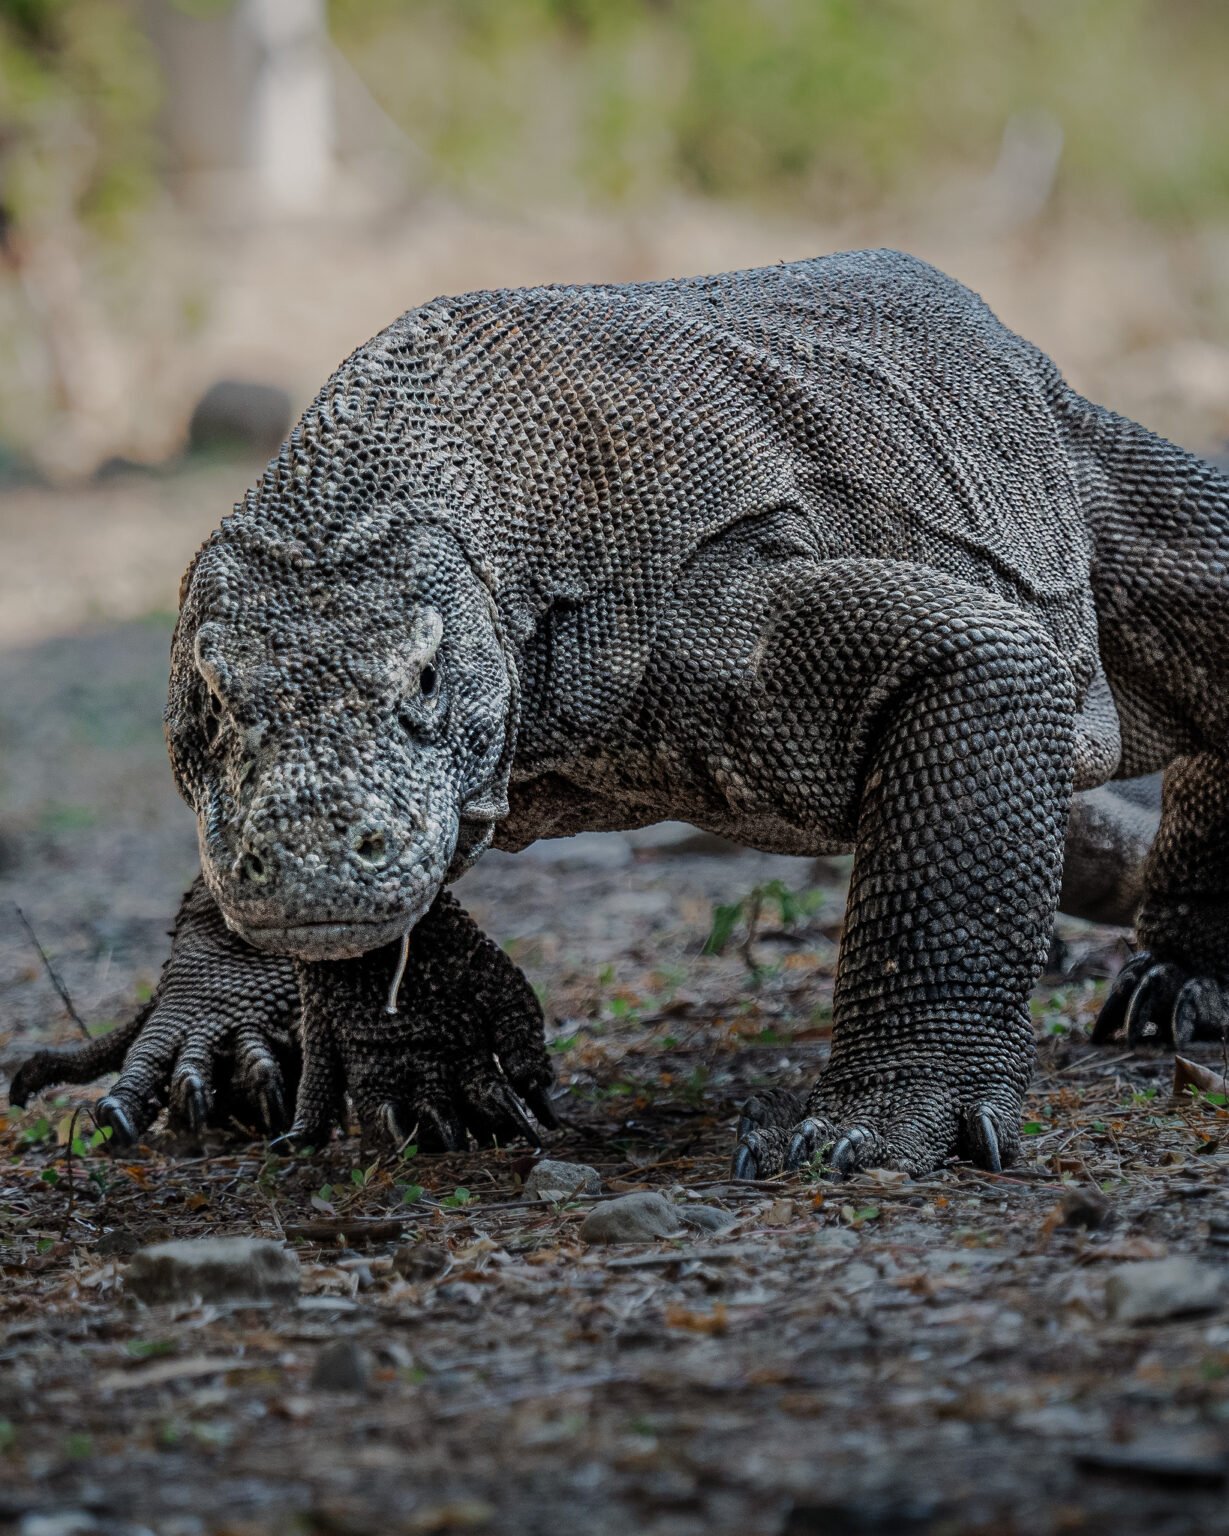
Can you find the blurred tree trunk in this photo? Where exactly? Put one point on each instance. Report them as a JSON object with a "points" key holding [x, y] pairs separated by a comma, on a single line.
{"points": [[249, 99]]}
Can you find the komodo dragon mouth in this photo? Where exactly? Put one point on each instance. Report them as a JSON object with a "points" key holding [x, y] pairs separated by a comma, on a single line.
{"points": [[336, 939]]}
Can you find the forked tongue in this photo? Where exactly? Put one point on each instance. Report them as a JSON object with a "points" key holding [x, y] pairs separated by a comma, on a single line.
{"points": [[402, 961]]}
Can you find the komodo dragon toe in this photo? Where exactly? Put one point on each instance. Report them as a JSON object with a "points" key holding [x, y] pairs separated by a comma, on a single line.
{"points": [[1159, 1002], [215, 1044], [234, 1036], [906, 1127]]}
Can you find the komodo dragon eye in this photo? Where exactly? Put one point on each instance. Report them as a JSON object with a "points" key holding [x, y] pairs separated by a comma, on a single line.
{"points": [[428, 681]]}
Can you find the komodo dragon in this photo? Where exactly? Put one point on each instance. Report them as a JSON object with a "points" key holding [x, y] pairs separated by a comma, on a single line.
{"points": [[819, 557]]}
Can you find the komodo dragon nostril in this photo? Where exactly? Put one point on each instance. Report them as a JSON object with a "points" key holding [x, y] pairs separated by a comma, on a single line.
{"points": [[371, 846], [252, 868]]}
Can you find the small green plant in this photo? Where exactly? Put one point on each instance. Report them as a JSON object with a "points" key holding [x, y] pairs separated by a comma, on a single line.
{"points": [[149, 1349], [694, 1087], [792, 908], [459, 1198]]}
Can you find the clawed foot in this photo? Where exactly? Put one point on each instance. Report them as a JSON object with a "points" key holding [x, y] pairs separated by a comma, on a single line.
{"points": [[463, 1056], [772, 1139], [1158, 1002], [214, 1045]]}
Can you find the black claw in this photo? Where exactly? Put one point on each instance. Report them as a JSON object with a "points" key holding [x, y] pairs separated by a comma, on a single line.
{"points": [[195, 1105], [989, 1143], [843, 1155], [538, 1099], [389, 1125], [804, 1144], [744, 1164], [1114, 1009], [299, 1135], [111, 1112], [272, 1106], [515, 1112], [1151, 1006], [439, 1130]]}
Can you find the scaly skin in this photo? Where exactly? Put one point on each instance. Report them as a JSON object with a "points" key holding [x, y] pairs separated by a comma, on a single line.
{"points": [[236, 1036], [819, 557]]}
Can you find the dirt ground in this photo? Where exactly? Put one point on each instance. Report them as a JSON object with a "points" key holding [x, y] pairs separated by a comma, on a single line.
{"points": [[877, 1355]]}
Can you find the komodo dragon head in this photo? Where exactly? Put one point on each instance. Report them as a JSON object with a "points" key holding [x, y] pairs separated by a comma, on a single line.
{"points": [[341, 718]]}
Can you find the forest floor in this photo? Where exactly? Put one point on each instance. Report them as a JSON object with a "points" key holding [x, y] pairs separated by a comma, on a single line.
{"points": [[875, 1355]]}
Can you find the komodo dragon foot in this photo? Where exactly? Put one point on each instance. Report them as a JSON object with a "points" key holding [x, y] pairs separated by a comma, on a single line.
{"points": [[215, 1044], [1177, 988], [1162, 1002], [883, 1125], [464, 1051], [221, 1040]]}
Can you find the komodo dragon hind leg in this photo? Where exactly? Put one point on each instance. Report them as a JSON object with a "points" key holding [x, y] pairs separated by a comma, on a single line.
{"points": [[464, 1053], [1177, 988]]}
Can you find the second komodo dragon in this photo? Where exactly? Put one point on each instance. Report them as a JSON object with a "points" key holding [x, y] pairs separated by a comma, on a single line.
{"points": [[820, 557]]}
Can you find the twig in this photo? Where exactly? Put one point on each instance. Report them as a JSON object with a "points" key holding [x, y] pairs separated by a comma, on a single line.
{"points": [[51, 974], [331, 1231]]}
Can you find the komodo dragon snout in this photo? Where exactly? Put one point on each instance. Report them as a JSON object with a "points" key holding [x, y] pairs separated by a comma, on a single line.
{"points": [[339, 768]]}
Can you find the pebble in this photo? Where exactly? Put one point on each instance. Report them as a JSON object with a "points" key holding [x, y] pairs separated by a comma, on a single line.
{"points": [[836, 1239], [645, 1216], [550, 1180], [420, 1261], [214, 1269], [1086, 1207], [1155, 1289], [342, 1366], [705, 1218], [639, 1218]]}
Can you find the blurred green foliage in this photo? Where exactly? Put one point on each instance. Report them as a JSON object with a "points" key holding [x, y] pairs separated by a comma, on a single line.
{"points": [[78, 92], [833, 103], [825, 104]]}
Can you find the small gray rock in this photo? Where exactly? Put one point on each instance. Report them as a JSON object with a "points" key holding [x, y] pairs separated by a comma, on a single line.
{"points": [[214, 1269], [836, 1240], [549, 1180], [705, 1218], [342, 1366], [1084, 1207], [640, 1218], [117, 1242], [237, 414], [1155, 1289], [420, 1261]]}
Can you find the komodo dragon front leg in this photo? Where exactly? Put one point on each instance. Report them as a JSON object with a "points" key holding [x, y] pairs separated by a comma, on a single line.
{"points": [[933, 725], [216, 1041], [233, 1034], [463, 1050]]}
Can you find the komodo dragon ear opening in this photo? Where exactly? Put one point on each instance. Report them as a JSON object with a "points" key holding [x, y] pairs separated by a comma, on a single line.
{"points": [[210, 662]]}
